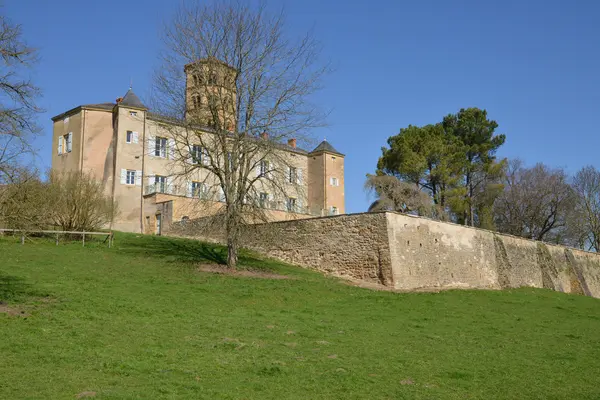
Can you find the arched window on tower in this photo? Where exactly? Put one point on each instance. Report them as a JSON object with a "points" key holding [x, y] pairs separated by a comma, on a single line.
{"points": [[212, 78], [197, 100]]}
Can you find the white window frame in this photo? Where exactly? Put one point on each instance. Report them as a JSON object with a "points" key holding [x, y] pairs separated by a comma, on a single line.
{"points": [[160, 183], [130, 177], [198, 189], [196, 154], [160, 146], [293, 175], [291, 204], [129, 137], [333, 181]]}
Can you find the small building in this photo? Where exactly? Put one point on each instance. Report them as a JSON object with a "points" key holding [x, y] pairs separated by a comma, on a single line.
{"points": [[134, 152]]}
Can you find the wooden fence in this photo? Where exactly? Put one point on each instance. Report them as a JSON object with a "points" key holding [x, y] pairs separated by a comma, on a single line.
{"points": [[109, 235]]}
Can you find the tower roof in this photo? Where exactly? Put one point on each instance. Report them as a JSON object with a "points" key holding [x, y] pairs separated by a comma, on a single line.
{"points": [[131, 100], [325, 147]]}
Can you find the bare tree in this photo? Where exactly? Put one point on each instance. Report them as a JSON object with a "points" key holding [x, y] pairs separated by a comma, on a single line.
{"points": [[235, 90], [586, 221], [536, 202], [396, 195], [24, 202], [78, 202], [18, 96]]}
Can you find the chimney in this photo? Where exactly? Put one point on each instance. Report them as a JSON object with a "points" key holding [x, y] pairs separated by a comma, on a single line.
{"points": [[292, 143], [119, 99], [264, 135]]}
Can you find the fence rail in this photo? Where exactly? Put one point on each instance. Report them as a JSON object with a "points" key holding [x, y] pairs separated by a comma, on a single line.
{"points": [[109, 235]]}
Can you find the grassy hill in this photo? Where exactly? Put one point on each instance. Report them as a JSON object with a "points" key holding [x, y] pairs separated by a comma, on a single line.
{"points": [[139, 321]]}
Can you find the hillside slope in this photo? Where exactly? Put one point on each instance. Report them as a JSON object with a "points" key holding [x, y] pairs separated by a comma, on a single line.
{"points": [[139, 321]]}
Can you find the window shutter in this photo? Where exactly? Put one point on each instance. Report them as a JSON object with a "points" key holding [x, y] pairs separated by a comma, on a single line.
{"points": [[151, 145], [288, 171], [150, 179], [169, 188], [258, 170], [299, 205], [190, 157], [299, 176], [138, 178], [60, 144], [221, 194], [331, 181], [123, 176], [189, 189], [205, 157], [135, 137], [171, 149]]}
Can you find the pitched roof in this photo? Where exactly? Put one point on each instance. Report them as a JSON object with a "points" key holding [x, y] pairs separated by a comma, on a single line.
{"points": [[326, 147], [131, 100]]}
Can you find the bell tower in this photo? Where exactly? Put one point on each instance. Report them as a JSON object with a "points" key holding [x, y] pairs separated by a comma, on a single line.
{"points": [[210, 95]]}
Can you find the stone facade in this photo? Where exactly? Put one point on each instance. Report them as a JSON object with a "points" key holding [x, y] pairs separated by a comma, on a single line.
{"points": [[410, 253]]}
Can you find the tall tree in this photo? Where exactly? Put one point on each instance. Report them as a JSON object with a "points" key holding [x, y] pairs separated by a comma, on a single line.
{"points": [[536, 202], [477, 135], [424, 156], [254, 86], [586, 185], [18, 96]]}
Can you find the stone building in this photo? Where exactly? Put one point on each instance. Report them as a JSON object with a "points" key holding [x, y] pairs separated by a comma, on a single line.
{"points": [[132, 151]]}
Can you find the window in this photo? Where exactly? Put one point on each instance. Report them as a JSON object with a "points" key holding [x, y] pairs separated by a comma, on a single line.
{"points": [[68, 140], [212, 78], [198, 189], [130, 177], [263, 168], [333, 210], [160, 149], [133, 113], [263, 200], [196, 154], [291, 204], [198, 80], [60, 145], [131, 137], [293, 175], [197, 100], [160, 183], [334, 181]]}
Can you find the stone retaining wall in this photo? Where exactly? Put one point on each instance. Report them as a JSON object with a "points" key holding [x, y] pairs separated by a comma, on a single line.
{"points": [[408, 253]]}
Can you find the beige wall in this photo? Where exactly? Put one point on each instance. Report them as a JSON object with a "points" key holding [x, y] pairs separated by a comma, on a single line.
{"points": [[67, 161], [321, 194], [409, 253], [99, 146]]}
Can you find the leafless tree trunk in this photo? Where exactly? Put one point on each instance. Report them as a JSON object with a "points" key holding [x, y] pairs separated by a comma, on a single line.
{"points": [[536, 202], [18, 93], [248, 92], [586, 185]]}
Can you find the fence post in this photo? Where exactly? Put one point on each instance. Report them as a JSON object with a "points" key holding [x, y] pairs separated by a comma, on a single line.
{"points": [[109, 240], [83, 239], [22, 238], [57, 239]]}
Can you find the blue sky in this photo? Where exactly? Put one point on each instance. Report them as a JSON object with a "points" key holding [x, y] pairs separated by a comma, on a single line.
{"points": [[534, 65]]}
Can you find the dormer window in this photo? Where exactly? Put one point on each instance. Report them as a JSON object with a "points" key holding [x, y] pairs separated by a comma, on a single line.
{"points": [[133, 113]]}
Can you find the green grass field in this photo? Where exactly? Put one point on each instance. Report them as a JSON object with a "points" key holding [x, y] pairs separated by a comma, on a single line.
{"points": [[138, 321]]}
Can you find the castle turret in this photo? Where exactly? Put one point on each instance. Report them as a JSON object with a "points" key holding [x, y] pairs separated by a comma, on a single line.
{"points": [[326, 180]]}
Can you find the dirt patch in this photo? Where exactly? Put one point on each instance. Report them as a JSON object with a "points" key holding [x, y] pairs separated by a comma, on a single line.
{"points": [[223, 270], [13, 311]]}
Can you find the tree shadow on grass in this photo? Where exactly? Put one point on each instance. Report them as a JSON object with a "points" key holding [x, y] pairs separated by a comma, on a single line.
{"points": [[15, 289], [188, 251]]}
